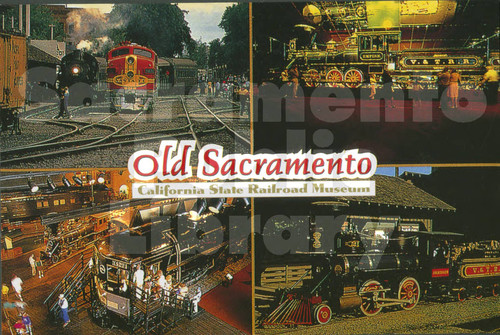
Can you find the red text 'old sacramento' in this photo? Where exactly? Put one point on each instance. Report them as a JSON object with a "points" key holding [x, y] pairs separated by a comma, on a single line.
{"points": [[172, 162]]}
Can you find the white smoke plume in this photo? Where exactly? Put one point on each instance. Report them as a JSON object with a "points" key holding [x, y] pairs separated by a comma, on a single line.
{"points": [[88, 29]]}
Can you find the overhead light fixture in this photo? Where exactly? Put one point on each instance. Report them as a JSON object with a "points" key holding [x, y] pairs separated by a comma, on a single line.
{"points": [[51, 184], [77, 181], [216, 205], [246, 201], [100, 178], [66, 182], [195, 215], [33, 187], [90, 180]]}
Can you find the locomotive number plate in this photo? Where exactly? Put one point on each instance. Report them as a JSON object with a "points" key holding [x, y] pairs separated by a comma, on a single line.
{"points": [[371, 56], [437, 273]]}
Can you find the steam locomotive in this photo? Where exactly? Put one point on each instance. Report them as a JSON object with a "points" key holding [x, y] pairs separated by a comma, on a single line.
{"points": [[78, 72], [357, 45], [370, 271], [132, 77]]}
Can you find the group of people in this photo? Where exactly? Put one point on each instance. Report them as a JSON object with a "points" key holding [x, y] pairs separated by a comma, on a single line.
{"points": [[36, 266], [157, 285], [23, 324], [448, 82], [234, 90]]}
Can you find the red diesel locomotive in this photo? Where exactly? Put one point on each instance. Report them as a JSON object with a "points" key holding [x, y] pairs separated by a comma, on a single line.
{"points": [[132, 77]]}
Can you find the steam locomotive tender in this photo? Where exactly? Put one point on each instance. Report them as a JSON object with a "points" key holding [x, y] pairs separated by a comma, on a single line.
{"points": [[132, 77], [78, 72]]}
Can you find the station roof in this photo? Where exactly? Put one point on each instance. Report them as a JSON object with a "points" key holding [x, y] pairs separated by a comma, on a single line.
{"points": [[176, 62], [37, 55], [394, 191]]}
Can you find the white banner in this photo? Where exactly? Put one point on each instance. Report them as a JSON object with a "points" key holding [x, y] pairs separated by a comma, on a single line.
{"points": [[255, 189]]}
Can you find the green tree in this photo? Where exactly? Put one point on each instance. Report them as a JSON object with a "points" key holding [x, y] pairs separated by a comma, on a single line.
{"points": [[41, 18], [198, 52], [216, 53], [161, 27], [236, 39]]}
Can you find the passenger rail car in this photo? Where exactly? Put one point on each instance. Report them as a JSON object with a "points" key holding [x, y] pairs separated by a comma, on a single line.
{"points": [[78, 72], [370, 271], [184, 246], [13, 66], [19, 206], [132, 72], [177, 76]]}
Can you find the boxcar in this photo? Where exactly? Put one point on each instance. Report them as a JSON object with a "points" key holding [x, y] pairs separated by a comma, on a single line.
{"points": [[13, 61]]}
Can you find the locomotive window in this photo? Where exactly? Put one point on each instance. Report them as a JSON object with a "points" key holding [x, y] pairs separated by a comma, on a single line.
{"points": [[56, 202], [119, 52], [366, 43], [38, 204], [142, 52], [72, 200], [46, 203], [62, 202], [113, 274]]}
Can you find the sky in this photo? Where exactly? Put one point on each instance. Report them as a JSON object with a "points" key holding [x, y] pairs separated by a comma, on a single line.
{"points": [[391, 171], [202, 18]]}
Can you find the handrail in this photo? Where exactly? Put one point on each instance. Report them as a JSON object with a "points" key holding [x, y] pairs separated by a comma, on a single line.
{"points": [[62, 281]]}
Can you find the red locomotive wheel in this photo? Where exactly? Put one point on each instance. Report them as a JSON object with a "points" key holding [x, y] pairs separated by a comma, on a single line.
{"points": [[333, 77], [322, 314], [462, 294], [312, 78], [479, 292], [409, 289], [353, 78], [369, 305], [495, 290]]}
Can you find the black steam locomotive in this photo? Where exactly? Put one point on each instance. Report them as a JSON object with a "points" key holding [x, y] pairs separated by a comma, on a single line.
{"points": [[372, 270], [79, 71], [183, 239]]}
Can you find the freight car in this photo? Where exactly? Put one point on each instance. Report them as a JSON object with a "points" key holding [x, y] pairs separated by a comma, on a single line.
{"points": [[132, 72], [78, 72], [13, 65], [370, 271], [177, 75]]}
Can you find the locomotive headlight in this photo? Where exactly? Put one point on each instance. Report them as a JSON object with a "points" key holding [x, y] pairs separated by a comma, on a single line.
{"points": [[130, 60], [75, 70]]}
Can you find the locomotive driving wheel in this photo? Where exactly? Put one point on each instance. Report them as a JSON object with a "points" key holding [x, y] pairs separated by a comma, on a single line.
{"points": [[409, 289], [312, 78], [322, 314], [370, 292], [333, 77], [479, 292], [353, 78]]}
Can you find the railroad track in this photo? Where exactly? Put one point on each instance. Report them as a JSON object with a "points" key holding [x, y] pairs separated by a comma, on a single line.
{"points": [[195, 119]]}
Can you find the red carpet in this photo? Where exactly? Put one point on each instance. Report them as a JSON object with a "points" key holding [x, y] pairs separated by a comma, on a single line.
{"points": [[232, 304]]}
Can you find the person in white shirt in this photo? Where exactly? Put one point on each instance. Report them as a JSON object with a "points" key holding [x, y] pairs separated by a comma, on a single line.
{"points": [[139, 281], [17, 286], [33, 265], [63, 303], [196, 300]]}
